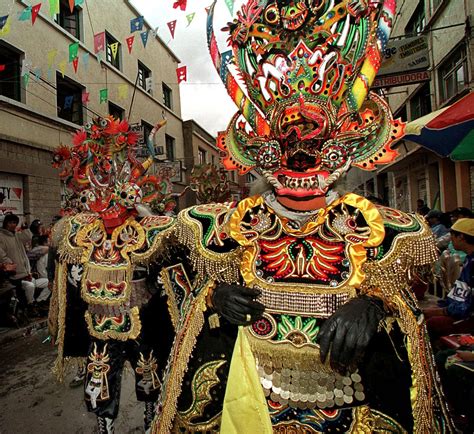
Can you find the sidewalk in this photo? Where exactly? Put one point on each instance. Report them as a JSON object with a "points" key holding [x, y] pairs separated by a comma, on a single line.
{"points": [[8, 334]]}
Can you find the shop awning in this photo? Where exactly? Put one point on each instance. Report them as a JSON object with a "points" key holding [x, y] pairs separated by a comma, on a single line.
{"points": [[448, 132]]}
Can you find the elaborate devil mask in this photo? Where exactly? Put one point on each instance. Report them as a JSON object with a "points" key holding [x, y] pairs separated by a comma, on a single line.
{"points": [[300, 73]]}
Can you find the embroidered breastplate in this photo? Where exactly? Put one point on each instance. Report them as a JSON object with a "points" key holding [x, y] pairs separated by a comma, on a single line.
{"points": [[304, 275], [107, 284]]}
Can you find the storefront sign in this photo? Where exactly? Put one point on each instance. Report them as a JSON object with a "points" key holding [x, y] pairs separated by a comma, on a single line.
{"points": [[405, 55], [11, 194], [401, 79]]}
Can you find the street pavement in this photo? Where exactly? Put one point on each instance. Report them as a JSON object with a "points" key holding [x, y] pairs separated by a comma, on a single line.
{"points": [[31, 400]]}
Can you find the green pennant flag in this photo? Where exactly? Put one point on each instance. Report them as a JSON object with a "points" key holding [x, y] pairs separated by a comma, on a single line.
{"points": [[26, 79], [53, 7], [73, 50], [190, 18], [103, 95], [230, 6]]}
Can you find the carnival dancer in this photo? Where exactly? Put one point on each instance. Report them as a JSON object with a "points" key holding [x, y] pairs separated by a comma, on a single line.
{"points": [[104, 302], [330, 336]]}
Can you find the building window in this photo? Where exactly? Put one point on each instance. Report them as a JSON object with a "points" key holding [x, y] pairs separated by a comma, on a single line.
{"points": [[167, 96], [69, 99], [143, 74], [401, 113], [453, 74], [116, 111], [251, 178], [201, 156], [110, 41], [417, 21], [10, 81], [420, 103], [145, 130], [170, 147], [69, 21]]}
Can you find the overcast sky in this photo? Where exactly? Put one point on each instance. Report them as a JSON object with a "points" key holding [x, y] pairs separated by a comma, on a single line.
{"points": [[203, 97]]}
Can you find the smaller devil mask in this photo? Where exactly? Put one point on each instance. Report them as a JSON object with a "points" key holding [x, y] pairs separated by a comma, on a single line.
{"points": [[102, 170]]}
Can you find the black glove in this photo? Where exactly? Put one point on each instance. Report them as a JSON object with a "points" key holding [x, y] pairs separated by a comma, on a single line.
{"points": [[350, 330], [236, 302]]}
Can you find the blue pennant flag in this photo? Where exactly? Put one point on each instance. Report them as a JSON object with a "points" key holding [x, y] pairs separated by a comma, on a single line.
{"points": [[68, 102], [136, 24], [144, 36], [3, 21]]}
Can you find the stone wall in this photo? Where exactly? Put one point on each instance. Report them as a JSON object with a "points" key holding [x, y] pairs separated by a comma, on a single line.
{"points": [[42, 188]]}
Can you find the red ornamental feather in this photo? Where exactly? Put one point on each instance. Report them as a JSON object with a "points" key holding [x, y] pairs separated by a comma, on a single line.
{"points": [[60, 155], [180, 4], [132, 138], [79, 137]]}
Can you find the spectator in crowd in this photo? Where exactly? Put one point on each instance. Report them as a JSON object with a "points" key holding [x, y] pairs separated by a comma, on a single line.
{"points": [[12, 248], [37, 289], [454, 314], [421, 207], [456, 368], [434, 220], [451, 260], [37, 229]]}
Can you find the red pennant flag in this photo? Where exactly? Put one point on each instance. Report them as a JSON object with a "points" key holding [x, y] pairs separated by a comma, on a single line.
{"points": [[130, 40], [172, 27], [99, 42], [75, 62], [85, 97], [71, 5], [182, 74], [17, 191], [180, 4], [34, 12], [2, 67]]}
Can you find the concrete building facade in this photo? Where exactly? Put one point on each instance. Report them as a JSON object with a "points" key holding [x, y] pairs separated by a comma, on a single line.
{"points": [[41, 111], [418, 173]]}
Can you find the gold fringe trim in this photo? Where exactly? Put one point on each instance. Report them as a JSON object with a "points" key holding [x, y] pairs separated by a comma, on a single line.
{"points": [[172, 304], [285, 355], [183, 346], [60, 320], [390, 279], [62, 367], [221, 267], [135, 327], [104, 275]]}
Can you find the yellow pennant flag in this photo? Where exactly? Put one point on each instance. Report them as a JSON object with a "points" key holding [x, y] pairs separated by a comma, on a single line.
{"points": [[114, 49], [5, 30], [122, 92], [62, 67], [51, 57]]}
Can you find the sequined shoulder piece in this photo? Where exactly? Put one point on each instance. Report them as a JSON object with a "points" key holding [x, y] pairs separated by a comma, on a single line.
{"points": [[408, 246], [66, 231], [203, 229], [156, 229]]}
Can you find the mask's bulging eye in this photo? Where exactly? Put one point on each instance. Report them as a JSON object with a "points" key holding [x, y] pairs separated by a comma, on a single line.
{"points": [[272, 15], [103, 123], [128, 194], [334, 157]]}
